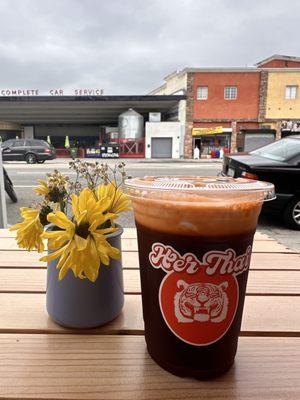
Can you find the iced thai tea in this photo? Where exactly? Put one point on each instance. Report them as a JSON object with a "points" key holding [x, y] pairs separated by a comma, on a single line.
{"points": [[195, 238]]}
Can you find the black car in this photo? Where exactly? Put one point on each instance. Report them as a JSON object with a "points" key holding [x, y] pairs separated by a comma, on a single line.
{"points": [[29, 150], [279, 163]]}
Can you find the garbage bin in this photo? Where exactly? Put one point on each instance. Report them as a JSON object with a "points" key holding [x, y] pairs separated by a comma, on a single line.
{"points": [[74, 152]]}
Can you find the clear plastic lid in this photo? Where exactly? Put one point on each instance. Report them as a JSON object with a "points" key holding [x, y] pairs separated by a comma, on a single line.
{"points": [[199, 185]]}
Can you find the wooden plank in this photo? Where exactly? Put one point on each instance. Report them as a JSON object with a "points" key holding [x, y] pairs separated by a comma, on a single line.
{"points": [[15, 259], [269, 261], [274, 282], [276, 261], [267, 246], [128, 233], [119, 368], [263, 315], [261, 246], [268, 315], [9, 243], [260, 282], [27, 313]]}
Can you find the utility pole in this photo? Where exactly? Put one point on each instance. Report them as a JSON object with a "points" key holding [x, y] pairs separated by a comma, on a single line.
{"points": [[3, 212]]}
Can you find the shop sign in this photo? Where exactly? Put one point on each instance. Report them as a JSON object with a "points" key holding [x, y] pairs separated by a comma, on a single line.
{"points": [[102, 152], [109, 152], [293, 126], [50, 92], [207, 131], [92, 152]]}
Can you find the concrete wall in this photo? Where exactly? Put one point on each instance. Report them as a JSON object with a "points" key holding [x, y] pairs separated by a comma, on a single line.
{"points": [[28, 132], [172, 130], [182, 111], [277, 106], [174, 83]]}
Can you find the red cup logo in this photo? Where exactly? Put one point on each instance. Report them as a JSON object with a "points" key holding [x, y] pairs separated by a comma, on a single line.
{"points": [[198, 300]]}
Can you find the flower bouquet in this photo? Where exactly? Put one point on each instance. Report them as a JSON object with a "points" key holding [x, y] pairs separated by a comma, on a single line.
{"points": [[77, 219]]}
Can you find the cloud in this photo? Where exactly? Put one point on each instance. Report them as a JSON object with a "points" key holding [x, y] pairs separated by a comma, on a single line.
{"points": [[128, 46]]}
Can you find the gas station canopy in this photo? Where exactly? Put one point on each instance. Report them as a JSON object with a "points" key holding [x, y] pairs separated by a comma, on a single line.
{"points": [[80, 109]]}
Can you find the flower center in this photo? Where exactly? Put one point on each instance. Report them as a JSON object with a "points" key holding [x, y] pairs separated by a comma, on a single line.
{"points": [[82, 230], [45, 210], [55, 194]]}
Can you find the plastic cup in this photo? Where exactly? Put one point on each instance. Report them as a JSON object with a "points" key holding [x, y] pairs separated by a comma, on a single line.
{"points": [[195, 238]]}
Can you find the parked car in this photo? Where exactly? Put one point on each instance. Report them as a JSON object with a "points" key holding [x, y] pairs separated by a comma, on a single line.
{"points": [[29, 150], [279, 163]]}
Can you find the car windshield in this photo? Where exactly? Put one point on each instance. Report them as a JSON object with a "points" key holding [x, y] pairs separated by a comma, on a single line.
{"points": [[283, 150]]}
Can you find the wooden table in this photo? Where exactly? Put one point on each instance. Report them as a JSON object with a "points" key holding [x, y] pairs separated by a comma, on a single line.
{"points": [[39, 359]]}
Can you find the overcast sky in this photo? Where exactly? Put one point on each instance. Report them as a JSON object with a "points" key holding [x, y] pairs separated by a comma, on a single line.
{"points": [[128, 46]]}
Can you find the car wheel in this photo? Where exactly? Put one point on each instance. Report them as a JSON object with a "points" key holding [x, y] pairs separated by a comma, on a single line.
{"points": [[30, 158], [291, 214], [41, 161], [10, 191]]}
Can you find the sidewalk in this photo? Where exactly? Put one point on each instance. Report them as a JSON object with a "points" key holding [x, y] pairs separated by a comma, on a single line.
{"points": [[181, 160]]}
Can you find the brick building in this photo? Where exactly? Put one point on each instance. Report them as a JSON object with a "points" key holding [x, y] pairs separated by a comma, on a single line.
{"points": [[236, 109]]}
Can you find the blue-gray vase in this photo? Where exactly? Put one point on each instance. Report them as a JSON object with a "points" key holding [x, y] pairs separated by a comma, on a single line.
{"points": [[80, 303]]}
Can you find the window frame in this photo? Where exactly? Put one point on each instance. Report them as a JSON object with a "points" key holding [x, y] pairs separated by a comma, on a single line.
{"points": [[230, 87], [198, 90], [289, 88]]}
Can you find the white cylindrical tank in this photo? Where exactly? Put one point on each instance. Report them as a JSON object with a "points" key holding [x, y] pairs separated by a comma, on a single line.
{"points": [[131, 125]]}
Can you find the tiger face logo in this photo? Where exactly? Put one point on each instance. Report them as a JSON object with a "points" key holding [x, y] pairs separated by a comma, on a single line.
{"points": [[201, 302], [198, 299], [198, 309]]}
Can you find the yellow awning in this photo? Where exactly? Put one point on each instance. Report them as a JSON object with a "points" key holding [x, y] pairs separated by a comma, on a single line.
{"points": [[207, 131]]}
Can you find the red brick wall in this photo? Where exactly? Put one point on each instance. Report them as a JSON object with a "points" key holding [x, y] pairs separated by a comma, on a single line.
{"points": [[216, 107], [247, 125], [281, 64]]}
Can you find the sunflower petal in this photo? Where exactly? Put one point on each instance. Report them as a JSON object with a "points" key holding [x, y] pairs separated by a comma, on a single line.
{"points": [[80, 242], [61, 220], [83, 199], [75, 210], [55, 254], [29, 231]]}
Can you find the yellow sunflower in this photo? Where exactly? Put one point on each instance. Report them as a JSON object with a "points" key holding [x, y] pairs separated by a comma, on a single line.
{"points": [[43, 189], [82, 244], [30, 230], [119, 201]]}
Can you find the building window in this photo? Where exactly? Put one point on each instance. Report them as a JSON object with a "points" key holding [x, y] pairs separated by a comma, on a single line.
{"points": [[291, 92], [230, 92], [202, 93]]}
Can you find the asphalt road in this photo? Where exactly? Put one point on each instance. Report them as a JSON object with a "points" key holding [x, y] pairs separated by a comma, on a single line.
{"points": [[25, 178]]}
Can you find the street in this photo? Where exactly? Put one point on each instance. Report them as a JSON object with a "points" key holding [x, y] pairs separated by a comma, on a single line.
{"points": [[25, 178]]}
